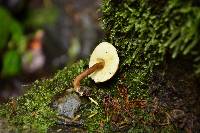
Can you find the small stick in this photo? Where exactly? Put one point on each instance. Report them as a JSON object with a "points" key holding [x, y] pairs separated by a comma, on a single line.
{"points": [[93, 101], [85, 73]]}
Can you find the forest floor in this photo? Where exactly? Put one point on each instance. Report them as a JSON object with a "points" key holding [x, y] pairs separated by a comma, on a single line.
{"points": [[174, 107], [176, 88]]}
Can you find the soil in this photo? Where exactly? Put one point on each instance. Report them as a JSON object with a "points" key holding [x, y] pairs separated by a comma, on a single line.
{"points": [[177, 88]]}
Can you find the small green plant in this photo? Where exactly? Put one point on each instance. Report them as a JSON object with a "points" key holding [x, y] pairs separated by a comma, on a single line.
{"points": [[12, 44]]}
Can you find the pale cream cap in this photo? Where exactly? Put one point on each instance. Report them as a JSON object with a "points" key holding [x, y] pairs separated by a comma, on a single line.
{"points": [[104, 52]]}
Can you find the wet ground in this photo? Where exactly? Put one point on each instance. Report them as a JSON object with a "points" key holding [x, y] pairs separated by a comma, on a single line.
{"points": [[178, 90]]}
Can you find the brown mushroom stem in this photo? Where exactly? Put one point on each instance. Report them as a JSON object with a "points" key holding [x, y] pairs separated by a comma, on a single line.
{"points": [[85, 73]]}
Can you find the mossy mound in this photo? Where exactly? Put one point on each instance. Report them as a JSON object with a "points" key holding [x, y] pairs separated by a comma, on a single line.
{"points": [[32, 110], [143, 32]]}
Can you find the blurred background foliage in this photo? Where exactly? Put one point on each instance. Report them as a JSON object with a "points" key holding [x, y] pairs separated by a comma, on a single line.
{"points": [[12, 44], [40, 17], [40, 34]]}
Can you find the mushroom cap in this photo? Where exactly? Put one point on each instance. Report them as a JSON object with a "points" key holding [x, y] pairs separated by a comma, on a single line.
{"points": [[104, 52]]}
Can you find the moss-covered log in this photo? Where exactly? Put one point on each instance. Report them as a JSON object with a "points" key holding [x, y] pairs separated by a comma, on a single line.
{"points": [[144, 32]]}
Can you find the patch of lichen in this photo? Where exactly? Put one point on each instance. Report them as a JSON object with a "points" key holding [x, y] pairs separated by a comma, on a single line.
{"points": [[32, 110]]}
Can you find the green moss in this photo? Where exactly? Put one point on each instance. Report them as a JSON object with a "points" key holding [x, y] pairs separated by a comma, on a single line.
{"points": [[143, 33], [32, 110]]}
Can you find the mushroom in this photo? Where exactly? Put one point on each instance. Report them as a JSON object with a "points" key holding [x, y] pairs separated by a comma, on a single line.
{"points": [[103, 65]]}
